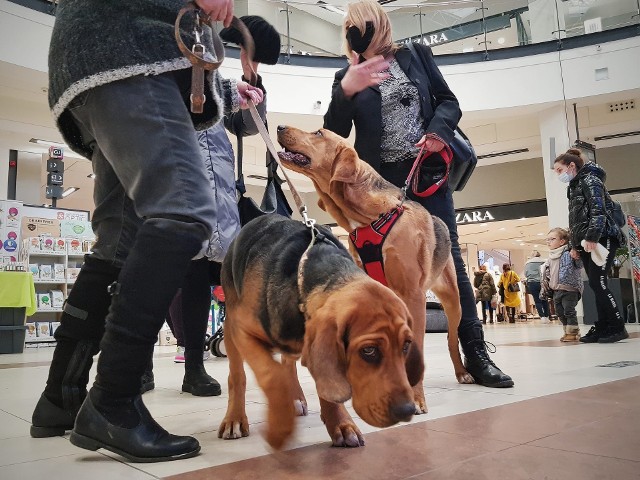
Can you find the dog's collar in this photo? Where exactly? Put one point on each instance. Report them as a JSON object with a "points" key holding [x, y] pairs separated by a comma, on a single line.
{"points": [[316, 237]]}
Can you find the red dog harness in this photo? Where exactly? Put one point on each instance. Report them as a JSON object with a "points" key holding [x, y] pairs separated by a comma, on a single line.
{"points": [[368, 242]]}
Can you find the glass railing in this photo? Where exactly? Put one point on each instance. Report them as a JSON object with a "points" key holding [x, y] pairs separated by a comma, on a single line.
{"points": [[314, 27]]}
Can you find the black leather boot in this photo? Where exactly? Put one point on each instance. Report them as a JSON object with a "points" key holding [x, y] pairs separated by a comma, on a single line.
{"points": [[113, 415], [128, 429], [196, 380], [78, 337], [148, 380], [481, 367]]}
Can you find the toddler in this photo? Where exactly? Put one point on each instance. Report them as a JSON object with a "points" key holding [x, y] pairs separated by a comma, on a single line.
{"points": [[562, 282]]}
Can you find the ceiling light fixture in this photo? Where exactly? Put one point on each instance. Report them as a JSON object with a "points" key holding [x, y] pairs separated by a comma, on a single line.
{"points": [[69, 191], [331, 8], [48, 143], [502, 154], [616, 135]]}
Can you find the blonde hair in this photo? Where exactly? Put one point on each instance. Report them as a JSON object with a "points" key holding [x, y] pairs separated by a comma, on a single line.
{"points": [[562, 233], [358, 14]]}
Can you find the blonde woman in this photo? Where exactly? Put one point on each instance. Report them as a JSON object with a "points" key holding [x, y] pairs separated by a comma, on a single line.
{"points": [[399, 103]]}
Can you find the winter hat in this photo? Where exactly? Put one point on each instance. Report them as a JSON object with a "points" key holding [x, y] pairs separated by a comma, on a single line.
{"points": [[265, 36]]}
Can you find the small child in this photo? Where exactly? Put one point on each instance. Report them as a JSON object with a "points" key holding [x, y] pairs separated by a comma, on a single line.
{"points": [[562, 282]]}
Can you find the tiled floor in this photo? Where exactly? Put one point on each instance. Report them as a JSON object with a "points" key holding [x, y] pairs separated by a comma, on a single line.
{"points": [[568, 417]]}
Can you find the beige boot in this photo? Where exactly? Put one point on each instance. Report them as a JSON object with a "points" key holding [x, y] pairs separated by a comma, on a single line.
{"points": [[572, 333]]}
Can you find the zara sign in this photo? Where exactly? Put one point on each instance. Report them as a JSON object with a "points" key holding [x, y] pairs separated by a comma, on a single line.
{"points": [[475, 216]]}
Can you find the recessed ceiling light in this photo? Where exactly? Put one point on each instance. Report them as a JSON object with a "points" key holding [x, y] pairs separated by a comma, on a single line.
{"points": [[69, 191], [48, 143], [540, 234], [483, 224], [502, 228], [536, 246]]}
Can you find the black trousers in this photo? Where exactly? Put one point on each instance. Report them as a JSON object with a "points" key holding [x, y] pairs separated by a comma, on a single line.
{"points": [[440, 204], [609, 316]]}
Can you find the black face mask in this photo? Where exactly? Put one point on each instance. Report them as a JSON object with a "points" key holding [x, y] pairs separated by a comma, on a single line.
{"points": [[358, 42]]}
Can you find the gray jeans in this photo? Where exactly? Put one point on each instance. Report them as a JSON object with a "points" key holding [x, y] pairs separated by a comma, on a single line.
{"points": [[147, 160], [565, 303]]}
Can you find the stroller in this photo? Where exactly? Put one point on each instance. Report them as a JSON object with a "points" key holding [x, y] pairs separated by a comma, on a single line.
{"points": [[215, 343]]}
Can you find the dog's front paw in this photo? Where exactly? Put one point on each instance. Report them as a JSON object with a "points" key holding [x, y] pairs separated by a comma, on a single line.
{"points": [[465, 377], [419, 400], [346, 434], [231, 429], [277, 436]]}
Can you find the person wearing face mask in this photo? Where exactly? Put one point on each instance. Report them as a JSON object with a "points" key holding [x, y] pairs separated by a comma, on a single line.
{"points": [[591, 222], [386, 93]]}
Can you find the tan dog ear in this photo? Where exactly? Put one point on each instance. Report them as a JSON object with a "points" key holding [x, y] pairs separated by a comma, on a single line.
{"points": [[414, 365], [345, 166], [324, 355]]}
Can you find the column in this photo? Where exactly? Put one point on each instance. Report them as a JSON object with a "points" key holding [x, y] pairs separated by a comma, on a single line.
{"points": [[4, 171], [554, 140]]}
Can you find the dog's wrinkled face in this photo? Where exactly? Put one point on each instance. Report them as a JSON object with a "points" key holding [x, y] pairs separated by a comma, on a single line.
{"points": [[359, 345], [313, 154]]}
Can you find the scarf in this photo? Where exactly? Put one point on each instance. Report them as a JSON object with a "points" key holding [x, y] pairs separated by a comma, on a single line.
{"points": [[556, 253]]}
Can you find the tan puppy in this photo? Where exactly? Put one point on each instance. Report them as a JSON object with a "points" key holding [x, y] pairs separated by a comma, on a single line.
{"points": [[417, 252], [353, 333]]}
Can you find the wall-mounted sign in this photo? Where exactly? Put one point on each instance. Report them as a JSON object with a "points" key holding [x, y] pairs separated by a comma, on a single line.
{"points": [[495, 213], [477, 216]]}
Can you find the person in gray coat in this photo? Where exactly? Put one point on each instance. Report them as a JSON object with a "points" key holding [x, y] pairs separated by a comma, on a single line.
{"points": [[532, 272]]}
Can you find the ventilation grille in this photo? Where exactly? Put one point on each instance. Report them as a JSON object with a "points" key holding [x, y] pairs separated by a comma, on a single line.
{"points": [[622, 106]]}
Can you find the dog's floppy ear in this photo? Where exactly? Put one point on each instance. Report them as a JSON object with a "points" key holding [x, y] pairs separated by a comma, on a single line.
{"points": [[324, 355], [345, 166], [414, 365]]}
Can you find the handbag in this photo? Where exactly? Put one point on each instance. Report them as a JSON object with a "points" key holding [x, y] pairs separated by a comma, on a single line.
{"points": [[513, 286], [464, 156], [273, 199]]}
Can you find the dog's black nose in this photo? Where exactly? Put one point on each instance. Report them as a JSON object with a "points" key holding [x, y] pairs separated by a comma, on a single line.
{"points": [[281, 128], [403, 412]]}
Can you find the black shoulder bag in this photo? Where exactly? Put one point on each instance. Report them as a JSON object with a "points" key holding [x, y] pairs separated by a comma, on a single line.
{"points": [[464, 156], [273, 200]]}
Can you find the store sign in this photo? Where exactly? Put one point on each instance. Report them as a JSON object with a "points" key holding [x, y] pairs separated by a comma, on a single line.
{"points": [[476, 216]]}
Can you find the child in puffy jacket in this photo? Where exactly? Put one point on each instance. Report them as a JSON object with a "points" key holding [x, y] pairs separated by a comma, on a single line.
{"points": [[562, 282]]}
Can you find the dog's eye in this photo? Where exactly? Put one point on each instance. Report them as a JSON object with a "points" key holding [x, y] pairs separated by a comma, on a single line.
{"points": [[317, 133], [405, 347], [370, 354]]}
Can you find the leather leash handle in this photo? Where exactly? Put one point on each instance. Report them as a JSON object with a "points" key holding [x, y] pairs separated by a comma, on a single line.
{"points": [[302, 208], [218, 47]]}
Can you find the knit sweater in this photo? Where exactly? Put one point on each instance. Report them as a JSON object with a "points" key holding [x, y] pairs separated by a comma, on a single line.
{"points": [[96, 42]]}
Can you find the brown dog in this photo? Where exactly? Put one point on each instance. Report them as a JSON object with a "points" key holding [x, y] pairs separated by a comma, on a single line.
{"points": [[353, 333], [417, 252]]}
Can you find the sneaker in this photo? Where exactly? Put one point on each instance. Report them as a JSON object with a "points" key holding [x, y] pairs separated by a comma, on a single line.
{"points": [[545, 320], [592, 336], [179, 358], [614, 337], [205, 355]]}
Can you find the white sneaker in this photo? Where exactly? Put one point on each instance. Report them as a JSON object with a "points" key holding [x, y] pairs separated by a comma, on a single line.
{"points": [[179, 358], [205, 355], [545, 320]]}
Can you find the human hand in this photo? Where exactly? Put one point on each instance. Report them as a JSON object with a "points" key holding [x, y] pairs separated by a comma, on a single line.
{"points": [[430, 144], [364, 75], [589, 246], [574, 254], [247, 92], [218, 10]]}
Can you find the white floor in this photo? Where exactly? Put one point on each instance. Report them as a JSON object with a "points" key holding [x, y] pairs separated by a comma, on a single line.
{"points": [[537, 371]]}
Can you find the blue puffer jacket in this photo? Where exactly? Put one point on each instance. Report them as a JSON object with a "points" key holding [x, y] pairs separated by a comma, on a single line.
{"points": [[570, 274], [219, 161]]}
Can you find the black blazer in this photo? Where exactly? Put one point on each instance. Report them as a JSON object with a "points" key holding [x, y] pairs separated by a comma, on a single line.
{"points": [[364, 109]]}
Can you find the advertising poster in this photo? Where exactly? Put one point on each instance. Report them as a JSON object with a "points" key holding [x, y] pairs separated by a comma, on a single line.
{"points": [[634, 246]]}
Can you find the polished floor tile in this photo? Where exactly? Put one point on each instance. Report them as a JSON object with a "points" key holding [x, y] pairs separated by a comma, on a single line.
{"points": [[550, 425]]}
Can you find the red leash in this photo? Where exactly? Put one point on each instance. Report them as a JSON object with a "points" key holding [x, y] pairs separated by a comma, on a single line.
{"points": [[413, 179]]}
